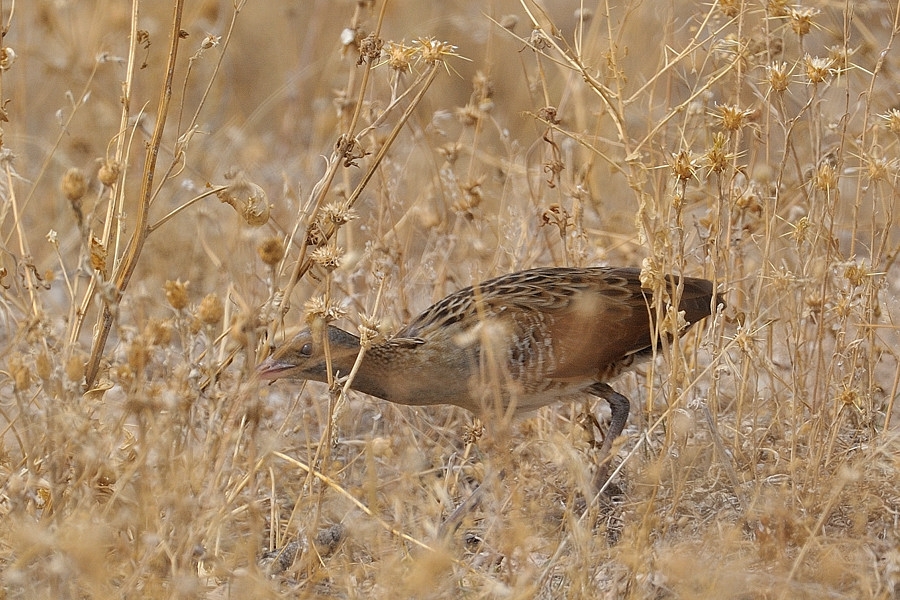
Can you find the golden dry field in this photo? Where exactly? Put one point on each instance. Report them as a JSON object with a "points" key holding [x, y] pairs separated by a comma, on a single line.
{"points": [[184, 184]]}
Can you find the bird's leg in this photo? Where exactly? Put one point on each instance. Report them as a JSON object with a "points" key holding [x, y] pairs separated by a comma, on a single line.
{"points": [[619, 406]]}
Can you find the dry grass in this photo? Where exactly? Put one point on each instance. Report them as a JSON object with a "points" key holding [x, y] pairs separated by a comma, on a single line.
{"points": [[752, 143]]}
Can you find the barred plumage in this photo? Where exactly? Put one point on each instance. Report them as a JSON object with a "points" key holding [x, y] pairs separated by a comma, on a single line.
{"points": [[527, 339]]}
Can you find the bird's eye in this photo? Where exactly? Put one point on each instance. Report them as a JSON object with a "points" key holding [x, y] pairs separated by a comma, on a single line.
{"points": [[306, 350]]}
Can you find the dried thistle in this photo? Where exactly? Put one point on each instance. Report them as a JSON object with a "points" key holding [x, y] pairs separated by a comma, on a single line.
{"points": [[818, 69], [43, 365], [316, 309], [74, 186], [138, 355], [877, 168], [717, 157], [369, 331], [158, 332], [109, 172], [176, 293], [431, 50], [778, 76], [826, 176], [399, 56], [271, 251], [801, 19], [892, 120], [733, 117], [472, 433], [856, 274], [730, 8], [777, 8], [328, 257], [800, 230], [211, 310], [338, 213], [683, 165], [74, 367]]}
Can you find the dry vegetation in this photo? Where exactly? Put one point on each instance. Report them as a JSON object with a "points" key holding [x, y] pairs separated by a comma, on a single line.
{"points": [[151, 245]]}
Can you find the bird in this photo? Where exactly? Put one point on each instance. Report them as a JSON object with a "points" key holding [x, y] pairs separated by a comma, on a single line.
{"points": [[513, 343]]}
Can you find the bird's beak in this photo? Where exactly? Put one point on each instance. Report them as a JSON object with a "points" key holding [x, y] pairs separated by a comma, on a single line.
{"points": [[272, 369]]}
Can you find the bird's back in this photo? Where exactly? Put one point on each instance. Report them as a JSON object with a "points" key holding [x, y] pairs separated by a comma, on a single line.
{"points": [[554, 330]]}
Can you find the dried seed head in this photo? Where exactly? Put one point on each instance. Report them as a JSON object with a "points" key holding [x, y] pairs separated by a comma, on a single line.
{"points": [[849, 397], [370, 49], [7, 57], [482, 88], [19, 371], [877, 168], [176, 293], [210, 41], [892, 120], [241, 330], [840, 57], [856, 274], [800, 230], [826, 176], [138, 355], [369, 331], [818, 69], [399, 56], [271, 251], [74, 185], [450, 151], [471, 198], [338, 213], [472, 433], [431, 50], [777, 8], [249, 200], [778, 75], [468, 115], [717, 157], [158, 332], [730, 8], [75, 367], [733, 117], [317, 309], [108, 173], [683, 165], [328, 257], [211, 310], [43, 365], [801, 19]]}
